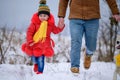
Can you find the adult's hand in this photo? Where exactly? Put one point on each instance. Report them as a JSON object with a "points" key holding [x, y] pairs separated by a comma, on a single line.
{"points": [[61, 22], [117, 17]]}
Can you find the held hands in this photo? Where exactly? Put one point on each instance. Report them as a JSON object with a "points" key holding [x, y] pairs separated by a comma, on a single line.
{"points": [[117, 17], [61, 23]]}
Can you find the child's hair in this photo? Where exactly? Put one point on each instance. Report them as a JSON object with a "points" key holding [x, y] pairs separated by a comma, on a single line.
{"points": [[43, 8]]}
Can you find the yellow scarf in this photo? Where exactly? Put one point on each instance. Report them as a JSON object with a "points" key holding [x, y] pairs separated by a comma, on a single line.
{"points": [[117, 58], [40, 35]]}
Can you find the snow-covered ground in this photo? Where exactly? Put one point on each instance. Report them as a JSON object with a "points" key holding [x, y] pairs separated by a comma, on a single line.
{"points": [[52, 71], [58, 71]]}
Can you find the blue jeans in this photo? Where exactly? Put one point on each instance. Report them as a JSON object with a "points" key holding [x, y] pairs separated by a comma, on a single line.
{"points": [[39, 61], [78, 28]]}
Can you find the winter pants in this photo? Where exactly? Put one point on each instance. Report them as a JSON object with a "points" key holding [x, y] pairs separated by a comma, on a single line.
{"points": [[39, 61], [78, 28]]}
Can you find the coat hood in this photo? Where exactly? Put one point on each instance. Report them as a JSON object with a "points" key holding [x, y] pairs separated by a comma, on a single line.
{"points": [[35, 19]]}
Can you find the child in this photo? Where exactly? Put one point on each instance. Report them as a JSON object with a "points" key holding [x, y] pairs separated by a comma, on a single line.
{"points": [[39, 43]]}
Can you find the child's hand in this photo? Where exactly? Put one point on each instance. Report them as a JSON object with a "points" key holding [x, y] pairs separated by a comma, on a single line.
{"points": [[31, 44], [61, 25]]}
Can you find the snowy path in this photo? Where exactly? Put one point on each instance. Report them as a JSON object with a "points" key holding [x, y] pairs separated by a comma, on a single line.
{"points": [[57, 71]]}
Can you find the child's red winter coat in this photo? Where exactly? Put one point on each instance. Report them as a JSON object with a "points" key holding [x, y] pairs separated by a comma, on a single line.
{"points": [[45, 48]]}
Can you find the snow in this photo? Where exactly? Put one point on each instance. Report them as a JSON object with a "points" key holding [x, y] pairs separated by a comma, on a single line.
{"points": [[52, 71], [58, 71]]}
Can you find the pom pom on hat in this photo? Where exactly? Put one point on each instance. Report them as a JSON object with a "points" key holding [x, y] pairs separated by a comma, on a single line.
{"points": [[42, 2], [43, 8]]}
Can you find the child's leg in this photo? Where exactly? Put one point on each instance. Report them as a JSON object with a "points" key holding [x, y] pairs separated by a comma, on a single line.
{"points": [[40, 62], [34, 60]]}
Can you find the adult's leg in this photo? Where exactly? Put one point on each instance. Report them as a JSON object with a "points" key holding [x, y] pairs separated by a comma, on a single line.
{"points": [[91, 31], [76, 31]]}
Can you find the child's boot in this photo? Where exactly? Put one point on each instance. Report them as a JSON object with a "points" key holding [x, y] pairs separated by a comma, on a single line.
{"points": [[38, 72], [35, 67]]}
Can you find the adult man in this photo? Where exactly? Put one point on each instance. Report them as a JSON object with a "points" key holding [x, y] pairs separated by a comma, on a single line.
{"points": [[84, 19]]}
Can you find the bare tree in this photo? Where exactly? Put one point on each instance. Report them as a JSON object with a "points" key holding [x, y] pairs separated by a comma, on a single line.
{"points": [[107, 40], [5, 43]]}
